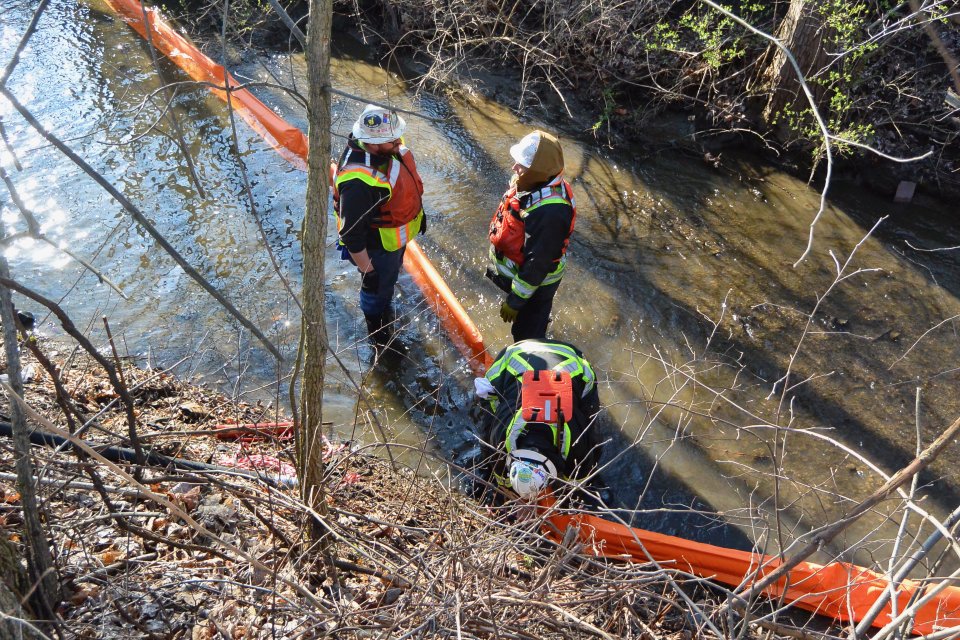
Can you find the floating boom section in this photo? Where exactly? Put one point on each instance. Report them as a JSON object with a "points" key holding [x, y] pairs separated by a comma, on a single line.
{"points": [[839, 590], [287, 139], [290, 142], [452, 315]]}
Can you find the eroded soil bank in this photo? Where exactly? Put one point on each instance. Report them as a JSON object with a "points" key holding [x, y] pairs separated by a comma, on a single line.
{"points": [[610, 70]]}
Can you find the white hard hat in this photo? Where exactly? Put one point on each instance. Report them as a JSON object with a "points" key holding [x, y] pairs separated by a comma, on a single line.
{"points": [[530, 471], [524, 151], [377, 125]]}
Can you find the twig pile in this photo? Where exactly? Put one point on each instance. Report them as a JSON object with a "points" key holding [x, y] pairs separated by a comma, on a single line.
{"points": [[410, 557]]}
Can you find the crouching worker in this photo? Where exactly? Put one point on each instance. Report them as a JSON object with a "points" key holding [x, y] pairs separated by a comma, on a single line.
{"points": [[539, 430]]}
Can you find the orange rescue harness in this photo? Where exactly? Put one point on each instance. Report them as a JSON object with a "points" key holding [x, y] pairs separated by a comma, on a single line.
{"points": [[546, 396], [399, 176], [507, 229]]}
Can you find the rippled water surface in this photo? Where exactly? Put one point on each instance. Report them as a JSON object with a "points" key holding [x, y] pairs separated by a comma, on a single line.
{"points": [[681, 287]]}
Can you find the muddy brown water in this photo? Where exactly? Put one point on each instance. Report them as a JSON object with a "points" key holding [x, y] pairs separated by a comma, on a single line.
{"points": [[681, 287]]}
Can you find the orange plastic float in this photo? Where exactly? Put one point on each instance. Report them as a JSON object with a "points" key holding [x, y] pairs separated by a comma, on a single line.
{"points": [[288, 140], [546, 396], [839, 590], [843, 591]]}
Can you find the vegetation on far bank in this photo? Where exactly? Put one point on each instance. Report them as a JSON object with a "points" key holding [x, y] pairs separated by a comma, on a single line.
{"points": [[879, 72]]}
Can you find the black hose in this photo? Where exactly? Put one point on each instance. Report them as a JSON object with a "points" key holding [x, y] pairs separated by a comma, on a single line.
{"points": [[122, 454]]}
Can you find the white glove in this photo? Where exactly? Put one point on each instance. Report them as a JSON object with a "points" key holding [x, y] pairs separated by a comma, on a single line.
{"points": [[482, 387]]}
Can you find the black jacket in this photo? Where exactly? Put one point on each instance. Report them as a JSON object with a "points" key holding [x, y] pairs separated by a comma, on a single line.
{"points": [[546, 230], [505, 403], [359, 204]]}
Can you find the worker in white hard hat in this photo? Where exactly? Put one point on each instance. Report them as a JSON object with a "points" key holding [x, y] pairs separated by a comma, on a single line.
{"points": [[529, 234], [379, 209], [540, 427]]}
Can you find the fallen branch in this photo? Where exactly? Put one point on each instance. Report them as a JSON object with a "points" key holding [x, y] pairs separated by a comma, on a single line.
{"points": [[824, 537], [122, 454], [166, 503]]}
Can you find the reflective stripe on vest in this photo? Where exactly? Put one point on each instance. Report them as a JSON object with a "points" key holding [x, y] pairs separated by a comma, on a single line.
{"points": [[392, 238], [523, 289], [507, 267], [514, 363], [365, 173], [395, 238]]}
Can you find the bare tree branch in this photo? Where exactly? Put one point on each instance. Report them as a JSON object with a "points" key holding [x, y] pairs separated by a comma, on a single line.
{"points": [[142, 220], [824, 537]]}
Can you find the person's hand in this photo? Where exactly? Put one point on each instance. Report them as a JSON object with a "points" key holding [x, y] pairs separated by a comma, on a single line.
{"points": [[370, 281], [503, 282], [508, 313]]}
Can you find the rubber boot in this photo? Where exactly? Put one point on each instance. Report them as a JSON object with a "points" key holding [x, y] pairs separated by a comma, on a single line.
{"points": [[380, 329]]}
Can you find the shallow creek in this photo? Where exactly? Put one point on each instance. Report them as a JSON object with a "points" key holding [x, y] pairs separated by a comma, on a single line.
{"points": [[681, 287]]}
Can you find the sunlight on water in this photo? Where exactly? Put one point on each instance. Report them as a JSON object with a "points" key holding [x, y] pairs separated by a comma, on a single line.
{"points": [[680, 273]]}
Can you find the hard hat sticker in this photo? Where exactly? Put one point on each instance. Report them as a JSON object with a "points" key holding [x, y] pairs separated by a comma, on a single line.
{"points": [[373, 120]]}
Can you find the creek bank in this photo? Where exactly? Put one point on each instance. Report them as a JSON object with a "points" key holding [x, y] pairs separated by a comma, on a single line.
{"points": [[596, 100], [628, 64], [404, 548]]}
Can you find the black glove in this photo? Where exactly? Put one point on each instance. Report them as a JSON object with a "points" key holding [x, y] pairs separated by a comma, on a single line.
{"points": [[370, 281], [503, 282]]}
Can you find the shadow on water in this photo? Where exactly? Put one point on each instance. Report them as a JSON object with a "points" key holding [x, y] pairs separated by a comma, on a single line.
{"points": [[680, 278], [703, 250]]}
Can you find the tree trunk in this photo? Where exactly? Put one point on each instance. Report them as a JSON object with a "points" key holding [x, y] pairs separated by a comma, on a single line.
{"points": [[46, 596], [13, 584], [801, 31], [310, 431]]}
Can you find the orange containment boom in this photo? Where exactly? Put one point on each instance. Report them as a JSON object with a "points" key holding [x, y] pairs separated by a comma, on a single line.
{"points": [[290, 142], [452, 315], [254, 431], [839, 590]]}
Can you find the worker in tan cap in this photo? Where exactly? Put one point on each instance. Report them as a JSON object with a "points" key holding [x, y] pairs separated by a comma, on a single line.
{"points": [[529, 235]]}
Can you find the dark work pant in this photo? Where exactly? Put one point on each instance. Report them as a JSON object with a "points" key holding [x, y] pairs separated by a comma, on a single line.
{"points": [[532, 320], [387, 265]]}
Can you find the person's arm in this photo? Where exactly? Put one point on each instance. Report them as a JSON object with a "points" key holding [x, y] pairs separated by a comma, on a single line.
{"points": [[497, 368], [590, 403], [546, 230], [590, 432], [359, 204]]}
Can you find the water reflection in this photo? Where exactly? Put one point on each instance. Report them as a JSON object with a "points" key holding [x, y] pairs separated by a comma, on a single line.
{"points": [[680, 286]]}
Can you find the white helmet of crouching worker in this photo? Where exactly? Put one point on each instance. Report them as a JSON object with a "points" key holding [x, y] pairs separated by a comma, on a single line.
{"points": [[530, 473], [377, 125]]}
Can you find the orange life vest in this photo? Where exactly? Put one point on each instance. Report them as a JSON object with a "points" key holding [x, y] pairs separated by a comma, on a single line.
{"points": [[400, 215], [507, 229], [546, 396], [406, 201]]}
